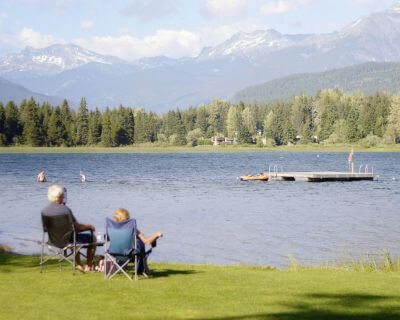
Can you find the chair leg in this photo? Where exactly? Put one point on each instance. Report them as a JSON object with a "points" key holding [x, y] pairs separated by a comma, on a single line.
{"points": [[41, 255], [136, 267]]}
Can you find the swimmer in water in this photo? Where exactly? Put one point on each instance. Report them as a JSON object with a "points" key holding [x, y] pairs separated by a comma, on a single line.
{"points": [[41, 177], [83, 176]]}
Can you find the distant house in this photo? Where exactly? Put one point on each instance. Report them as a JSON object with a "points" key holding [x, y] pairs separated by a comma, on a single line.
{"points": [[217, 141]]}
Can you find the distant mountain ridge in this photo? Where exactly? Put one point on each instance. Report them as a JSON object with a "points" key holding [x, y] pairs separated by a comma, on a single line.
{"points": [[51, 60], [368, 77], [161, 83], [11, 91]]}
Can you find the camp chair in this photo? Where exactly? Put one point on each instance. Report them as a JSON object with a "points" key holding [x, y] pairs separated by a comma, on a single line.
{"points": [[61, 238], [120, 248]]}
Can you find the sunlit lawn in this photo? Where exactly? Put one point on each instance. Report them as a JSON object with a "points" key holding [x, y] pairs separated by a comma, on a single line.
{"points": [[179, 291]]}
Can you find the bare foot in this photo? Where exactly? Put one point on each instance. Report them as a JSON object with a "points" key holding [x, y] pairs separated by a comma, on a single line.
{"points": [[81, 268]]}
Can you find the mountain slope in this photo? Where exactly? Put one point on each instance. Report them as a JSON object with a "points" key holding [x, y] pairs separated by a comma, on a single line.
{"points": [[368, 77], [11, 91]]}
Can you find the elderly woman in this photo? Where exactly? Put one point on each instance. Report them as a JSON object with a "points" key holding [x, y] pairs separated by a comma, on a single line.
{"points": [[57, 206], [121, 215]]}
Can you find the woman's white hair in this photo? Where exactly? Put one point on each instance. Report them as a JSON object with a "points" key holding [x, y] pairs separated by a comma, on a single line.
{"points": [[54, 192]]}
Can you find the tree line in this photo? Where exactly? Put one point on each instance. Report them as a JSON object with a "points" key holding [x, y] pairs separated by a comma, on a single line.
{"points": [[330, 116]]}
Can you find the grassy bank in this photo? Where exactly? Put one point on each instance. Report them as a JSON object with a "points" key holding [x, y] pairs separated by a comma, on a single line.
{"points": [[197, 292], [198, 149]]}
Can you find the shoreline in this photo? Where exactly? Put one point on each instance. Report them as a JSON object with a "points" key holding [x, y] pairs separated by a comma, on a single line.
{"points": [[199, 149]]}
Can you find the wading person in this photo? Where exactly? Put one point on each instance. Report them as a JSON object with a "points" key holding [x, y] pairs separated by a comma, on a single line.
{"points": [[41, 177], [57, 206]]}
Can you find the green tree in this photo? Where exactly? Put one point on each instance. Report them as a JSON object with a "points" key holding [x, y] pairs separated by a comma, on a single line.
{"points": [[12, 125], [95, 127], [201, 119], [67, 117], [234, 122], [57, 134], [82, 124], [3, 140], [393, 128], [106, 136], [31, 123]]}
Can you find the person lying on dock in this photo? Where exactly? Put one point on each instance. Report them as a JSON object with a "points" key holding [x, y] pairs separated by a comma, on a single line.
{"points": [[57, 206], [41, 177], [121, 215]]}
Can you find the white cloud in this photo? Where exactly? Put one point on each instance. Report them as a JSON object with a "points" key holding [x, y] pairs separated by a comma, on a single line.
{"points": [[87, 24], [224, 8], [172, 43], [215, 35], [57, 4], [282, 6], [29, 37], [151, 9]]}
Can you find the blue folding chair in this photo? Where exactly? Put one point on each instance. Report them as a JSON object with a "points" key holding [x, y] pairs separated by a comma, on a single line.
{"points": [[120, 248]]}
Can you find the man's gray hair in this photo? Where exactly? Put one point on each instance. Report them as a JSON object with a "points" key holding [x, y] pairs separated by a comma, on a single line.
{"points": [[54, 192]]}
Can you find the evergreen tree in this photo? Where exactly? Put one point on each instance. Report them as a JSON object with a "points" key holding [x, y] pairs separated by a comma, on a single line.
{"points": [[106, 136], [11, 123], [140, 131], [306, 133], [180, 139], [56, 133], [67, 118], [234, 122], [45, 112], [95, 127], [3, 140], [393, 129], [201, 119], [82, 124], [30, 119]]}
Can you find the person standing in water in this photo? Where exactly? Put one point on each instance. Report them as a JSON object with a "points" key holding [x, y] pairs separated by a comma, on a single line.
{"points": [[41, 177], [351, 160], [82, 175]]}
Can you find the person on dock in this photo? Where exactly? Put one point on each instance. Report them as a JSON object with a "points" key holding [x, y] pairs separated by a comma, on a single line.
{"points": [[351, 160], [57, 206], [82, 174], [41, 177]]}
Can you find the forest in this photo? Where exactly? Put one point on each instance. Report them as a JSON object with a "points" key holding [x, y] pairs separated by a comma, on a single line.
{"points": [[329, 117]]}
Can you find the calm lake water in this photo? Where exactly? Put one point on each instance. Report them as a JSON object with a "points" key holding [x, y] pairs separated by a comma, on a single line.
{"points": [[205, 212]]}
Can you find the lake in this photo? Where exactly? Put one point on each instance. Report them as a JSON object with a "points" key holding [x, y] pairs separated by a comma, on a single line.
{"points": [[206, 214]]}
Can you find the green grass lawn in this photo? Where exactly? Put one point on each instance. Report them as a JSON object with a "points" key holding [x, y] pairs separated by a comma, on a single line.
{"points": [[178, 291], [198, 149]]}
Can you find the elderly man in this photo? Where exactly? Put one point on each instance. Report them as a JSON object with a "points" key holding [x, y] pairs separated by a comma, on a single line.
{"points": [[57, 198]]}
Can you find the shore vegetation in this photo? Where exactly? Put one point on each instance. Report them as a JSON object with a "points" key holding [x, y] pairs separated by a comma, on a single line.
{"points": [[331, 117]]}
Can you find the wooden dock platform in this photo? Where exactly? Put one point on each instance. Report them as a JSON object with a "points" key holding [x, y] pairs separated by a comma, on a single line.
{"points": [[321, 176]]}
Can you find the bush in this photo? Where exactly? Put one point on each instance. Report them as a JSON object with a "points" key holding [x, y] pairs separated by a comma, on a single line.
{"points": [[371, 141]]}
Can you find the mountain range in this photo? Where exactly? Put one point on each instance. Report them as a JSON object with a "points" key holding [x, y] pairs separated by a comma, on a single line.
{"points": [[161, 83], [368, 78]]}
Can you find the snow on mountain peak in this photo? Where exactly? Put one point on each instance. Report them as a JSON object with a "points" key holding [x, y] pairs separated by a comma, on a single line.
{"points": [[53, 59]]}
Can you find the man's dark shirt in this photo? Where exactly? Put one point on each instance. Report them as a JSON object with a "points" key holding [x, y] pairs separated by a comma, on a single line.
{"points": [[55, 209]]}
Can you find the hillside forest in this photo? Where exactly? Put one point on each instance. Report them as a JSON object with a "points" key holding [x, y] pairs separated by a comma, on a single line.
{"points": [[329, 117]]}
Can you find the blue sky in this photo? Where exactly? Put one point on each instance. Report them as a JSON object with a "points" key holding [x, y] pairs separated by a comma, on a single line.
{"points": [[131, 29]]}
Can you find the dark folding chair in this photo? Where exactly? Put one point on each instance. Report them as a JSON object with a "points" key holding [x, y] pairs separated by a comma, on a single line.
{"points": [[120, 248], [61, 239]]}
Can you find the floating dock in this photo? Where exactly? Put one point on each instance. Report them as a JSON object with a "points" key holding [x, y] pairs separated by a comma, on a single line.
{"points": [[321, 176]]}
